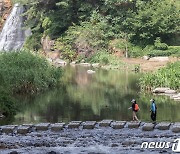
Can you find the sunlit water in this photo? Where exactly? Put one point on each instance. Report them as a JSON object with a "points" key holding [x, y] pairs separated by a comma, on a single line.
{"points": [[106, 94]]}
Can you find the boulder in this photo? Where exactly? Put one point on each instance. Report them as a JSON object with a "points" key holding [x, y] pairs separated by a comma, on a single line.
{"points": [[118, 124], [145, 57], [90, 72], [73, 63], [60, 62], [85, 64], [105, 123], [96, 65], [160, 90], [170, 91], [1, 116], [159, 59], [148, 127], [175, 96], [89, 125], [49, 60]]}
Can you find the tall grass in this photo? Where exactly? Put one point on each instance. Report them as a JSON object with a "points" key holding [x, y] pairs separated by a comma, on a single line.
{"points": [[24, 73], [164, 77]]}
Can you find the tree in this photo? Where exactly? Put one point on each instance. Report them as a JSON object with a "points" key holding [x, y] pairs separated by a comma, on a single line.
{"points": [[157, 18]]}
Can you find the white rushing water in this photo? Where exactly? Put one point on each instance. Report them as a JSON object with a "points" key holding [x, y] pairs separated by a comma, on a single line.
{"points": [[13, 34]]}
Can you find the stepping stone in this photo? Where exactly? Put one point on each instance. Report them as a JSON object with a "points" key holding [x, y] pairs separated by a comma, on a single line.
{"points": [[105, 123], [57, 126], [148, 127], [118, 124], [28, 125], [23, 129], [163, 125], [89, 125], [134, 124], [8, 129], [42, 126], [74, 124], [176, 127]]}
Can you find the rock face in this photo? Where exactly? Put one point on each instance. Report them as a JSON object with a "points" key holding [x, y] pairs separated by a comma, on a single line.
{"points": [[5, 8], [13, 35], [47, 44]]}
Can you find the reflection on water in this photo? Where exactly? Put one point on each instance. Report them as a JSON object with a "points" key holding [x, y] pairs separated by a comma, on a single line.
{"points": [[103, 95]]}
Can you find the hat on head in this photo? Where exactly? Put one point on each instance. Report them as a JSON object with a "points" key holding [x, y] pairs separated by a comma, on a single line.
{"points": [[152, 100], [133, 100]]}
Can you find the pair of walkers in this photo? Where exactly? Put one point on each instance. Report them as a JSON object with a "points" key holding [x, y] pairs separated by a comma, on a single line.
{"points": [[135, 108]]}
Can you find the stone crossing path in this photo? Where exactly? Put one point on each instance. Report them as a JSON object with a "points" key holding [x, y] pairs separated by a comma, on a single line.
{"points": [[28, 128], [76, 137]]}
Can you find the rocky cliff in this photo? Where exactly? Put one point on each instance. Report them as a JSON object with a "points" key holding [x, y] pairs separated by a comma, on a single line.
{"points": [[5, 9]]}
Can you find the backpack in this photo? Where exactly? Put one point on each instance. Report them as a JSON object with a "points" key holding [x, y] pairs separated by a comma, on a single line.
{"points": [[136, 108]]}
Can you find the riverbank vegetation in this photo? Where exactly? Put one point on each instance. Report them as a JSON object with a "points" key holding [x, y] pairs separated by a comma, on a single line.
{"points": [[164, 77], [84, 28], [24, 73]]}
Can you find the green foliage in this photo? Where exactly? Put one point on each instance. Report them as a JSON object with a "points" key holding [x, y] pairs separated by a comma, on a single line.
{"points": [[66, 50], [7, 103], [157, 18], [87, 38], [33, 42], [170, 52], [23, 72], [160, 46], [165, 77], [104, 58], [88, 26]]}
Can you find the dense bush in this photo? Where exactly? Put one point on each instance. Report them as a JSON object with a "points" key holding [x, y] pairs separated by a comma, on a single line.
{"points": [[33, 42], [88, 26], [104, 58], [169, 52], [160, 46], [157, 18], [7, 103], [23, 72], [164, 77], [87, 38]]}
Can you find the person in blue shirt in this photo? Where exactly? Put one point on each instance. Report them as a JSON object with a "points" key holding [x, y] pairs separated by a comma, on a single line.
{"points": [[153, 110]]}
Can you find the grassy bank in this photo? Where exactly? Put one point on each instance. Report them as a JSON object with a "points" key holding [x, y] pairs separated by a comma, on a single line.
{"points": [[164, 77], [24, 73]]}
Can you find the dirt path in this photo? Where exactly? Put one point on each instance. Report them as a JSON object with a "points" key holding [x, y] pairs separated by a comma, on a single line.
{"points": [[146, 65]]}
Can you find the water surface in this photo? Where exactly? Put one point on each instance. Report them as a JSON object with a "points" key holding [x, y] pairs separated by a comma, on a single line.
{"points": [[106, 94]]}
